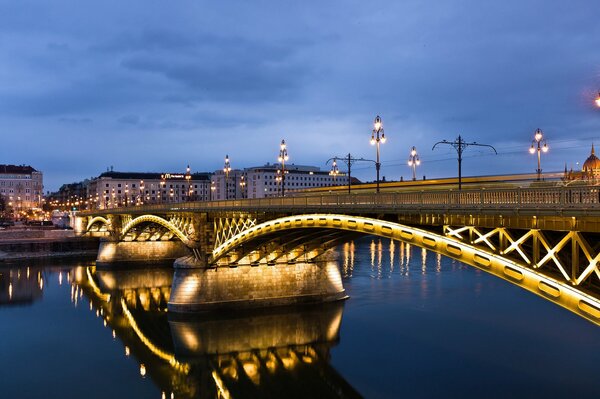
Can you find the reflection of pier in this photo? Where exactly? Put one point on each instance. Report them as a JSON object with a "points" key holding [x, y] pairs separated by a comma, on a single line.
{"points": [[22, 285], [281, 352]]}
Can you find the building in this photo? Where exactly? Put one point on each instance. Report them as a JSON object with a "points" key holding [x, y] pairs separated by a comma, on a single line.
{"points": [[228, 186], [264, 181], [114, 189], [72, 196], [21, 187], [590, 171]]}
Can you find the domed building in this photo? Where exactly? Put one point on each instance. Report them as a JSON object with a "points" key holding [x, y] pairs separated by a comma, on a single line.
{"points": [[589, 171]]}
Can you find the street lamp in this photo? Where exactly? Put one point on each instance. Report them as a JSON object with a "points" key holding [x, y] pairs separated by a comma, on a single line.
{"points": [[538, 138], [226, 170], [141, 192], [212, 190], [126, 194], [283, 157], [598, 100], [188, 179], [243, 184], [334, 169], [414, 161], [377, 136]]}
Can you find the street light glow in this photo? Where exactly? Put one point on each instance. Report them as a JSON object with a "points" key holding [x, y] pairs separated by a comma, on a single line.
{"points": [[598, 100]]}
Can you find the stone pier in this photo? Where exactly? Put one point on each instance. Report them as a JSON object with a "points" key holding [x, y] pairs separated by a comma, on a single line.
{"points": [[131, 252], [199, 289]]}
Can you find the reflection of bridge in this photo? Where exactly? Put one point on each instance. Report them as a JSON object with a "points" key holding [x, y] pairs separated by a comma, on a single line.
{"points": [[542, 239], [282, 352]]}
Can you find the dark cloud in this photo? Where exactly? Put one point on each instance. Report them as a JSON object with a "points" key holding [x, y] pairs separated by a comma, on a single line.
{"points": [[210, 78]]}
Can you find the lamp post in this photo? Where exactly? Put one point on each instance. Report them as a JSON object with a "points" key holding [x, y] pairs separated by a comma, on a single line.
{"points": [[334, 172], [243, 184], [349, 160], [538, 138], [141, 192], [460, 145], [226, 170], [377, 136], [188, 178], [212, 190], [126, 194], [414, 161], [598, 100], [283, 157]]}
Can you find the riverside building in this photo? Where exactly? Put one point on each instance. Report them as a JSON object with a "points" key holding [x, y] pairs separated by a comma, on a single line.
{"points": [[115, 189], [21, 187], [265, 181]]}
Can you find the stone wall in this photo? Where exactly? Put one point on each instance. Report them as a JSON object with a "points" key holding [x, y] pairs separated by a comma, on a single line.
{"points": [[253, 286], [139, 251]]}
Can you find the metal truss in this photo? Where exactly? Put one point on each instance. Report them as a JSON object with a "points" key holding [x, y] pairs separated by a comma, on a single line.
{"points": [[225, 228], [568, 254]]}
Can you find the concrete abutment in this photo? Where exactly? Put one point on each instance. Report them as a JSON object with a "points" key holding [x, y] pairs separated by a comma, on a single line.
{"points": [[130, 252]]}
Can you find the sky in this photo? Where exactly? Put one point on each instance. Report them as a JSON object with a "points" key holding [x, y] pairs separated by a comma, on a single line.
{"points": [[153, 86]]}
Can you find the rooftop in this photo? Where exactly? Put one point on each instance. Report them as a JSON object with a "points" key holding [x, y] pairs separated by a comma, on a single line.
{"points": [[20, 169]]}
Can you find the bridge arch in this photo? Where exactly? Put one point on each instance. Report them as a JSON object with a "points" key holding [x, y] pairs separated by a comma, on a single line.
{"points": [[97, 219], [157, 220], [559, 292]]}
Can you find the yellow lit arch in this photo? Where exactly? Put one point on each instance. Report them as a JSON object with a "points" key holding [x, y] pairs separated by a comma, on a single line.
{"points": [[158, 220], [96, 220], [559, 292]]}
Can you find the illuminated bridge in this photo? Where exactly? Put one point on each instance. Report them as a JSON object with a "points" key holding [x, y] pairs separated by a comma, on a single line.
{"points": [[267, 251]]}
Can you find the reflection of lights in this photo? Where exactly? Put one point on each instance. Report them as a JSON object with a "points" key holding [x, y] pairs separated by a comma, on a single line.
{"points": [[10, 291], [438, 267], [41, 284], [27, 273], [392, 250], [60, 278], [114, 334], [423, 260], [127, 351], [372, 248], [142, 370]]}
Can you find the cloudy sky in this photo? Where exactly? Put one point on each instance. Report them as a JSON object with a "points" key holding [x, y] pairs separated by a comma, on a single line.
{"points": [[153, 85]]}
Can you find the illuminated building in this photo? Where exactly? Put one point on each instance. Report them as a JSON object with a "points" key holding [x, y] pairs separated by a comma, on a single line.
{"points": [[113, 189], [262, 180], [21, 187], [590, 171]]}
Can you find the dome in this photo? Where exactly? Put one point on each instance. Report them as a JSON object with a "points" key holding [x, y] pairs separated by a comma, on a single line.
{"points": [[592, 162]]}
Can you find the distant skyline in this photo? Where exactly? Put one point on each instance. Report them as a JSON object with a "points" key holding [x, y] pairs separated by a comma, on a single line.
{"points": [[155, 86]]}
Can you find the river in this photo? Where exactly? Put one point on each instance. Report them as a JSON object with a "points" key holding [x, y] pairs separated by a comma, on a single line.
{"points": [[416, 325]]}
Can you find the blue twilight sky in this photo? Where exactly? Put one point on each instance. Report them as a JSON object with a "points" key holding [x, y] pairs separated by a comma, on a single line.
{"points": [[154, 85]]}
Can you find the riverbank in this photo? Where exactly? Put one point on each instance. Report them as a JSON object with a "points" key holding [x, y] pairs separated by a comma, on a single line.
{"points": [[20, 244]]}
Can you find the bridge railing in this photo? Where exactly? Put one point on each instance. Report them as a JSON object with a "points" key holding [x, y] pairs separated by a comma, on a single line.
{"points": [[551, 197]]}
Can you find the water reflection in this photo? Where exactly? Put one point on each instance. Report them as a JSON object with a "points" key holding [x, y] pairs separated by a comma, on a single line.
{"points": [[18, 286], [377, 252], [277, 352]]}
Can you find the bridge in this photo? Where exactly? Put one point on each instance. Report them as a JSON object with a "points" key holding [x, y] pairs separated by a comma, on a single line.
{"points": [[544, 240]]}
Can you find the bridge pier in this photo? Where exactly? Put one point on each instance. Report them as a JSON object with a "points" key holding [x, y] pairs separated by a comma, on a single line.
{"points": [[112, 253], [200, 289]]}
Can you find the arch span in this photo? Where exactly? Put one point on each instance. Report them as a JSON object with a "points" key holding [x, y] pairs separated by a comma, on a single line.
{"points": [[97, 219], [559, 292], [157, 220]]}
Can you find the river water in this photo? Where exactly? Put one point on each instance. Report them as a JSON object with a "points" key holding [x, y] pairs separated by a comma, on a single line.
{"points": [[416, 325]]}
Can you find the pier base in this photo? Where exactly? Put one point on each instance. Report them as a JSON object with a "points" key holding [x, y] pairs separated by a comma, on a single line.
{"points": [[130, 252], [196, 290]]}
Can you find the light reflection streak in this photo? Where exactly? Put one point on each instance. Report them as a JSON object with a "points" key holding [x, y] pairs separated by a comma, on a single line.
{"points": [[423, 261], [392, 253]]}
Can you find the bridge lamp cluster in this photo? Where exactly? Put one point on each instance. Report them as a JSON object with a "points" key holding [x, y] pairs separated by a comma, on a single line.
{"points": [[414, 161], [377, 136], [283, 157], [227, 170], [334, 169], [536, 145]]}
